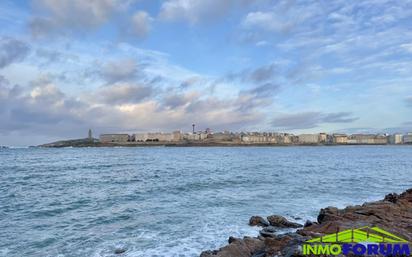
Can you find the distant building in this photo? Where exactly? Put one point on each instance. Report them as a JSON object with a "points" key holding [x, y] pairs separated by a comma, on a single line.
{"points": [[225, 136], [90, 135], [114, 138], [407, 139], [340, 139], [158, 137], [396, 139], [381, 140], [367, 139], [323, 138], [308, 139]]}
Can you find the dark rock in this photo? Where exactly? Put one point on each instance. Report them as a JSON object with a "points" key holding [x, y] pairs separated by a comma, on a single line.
{"points": [[282, 222], [232, 239], [245, 247], [270, 229], [308, 223], [119, 250], [267, 233], [328, 213], [258, 221], [259, 254], [393, 198]]}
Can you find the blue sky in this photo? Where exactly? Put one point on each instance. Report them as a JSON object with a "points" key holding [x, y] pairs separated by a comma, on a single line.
{"points": [[144, 65]]}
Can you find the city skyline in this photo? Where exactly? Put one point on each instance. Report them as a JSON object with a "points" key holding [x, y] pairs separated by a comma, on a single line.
{"points": [[127, 66]]}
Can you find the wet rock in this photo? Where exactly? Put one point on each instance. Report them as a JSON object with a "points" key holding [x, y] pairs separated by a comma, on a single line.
{"points": [[393, 197], [260, 254], [268, 231], [282, 222], [258, 221], [329, 213], [119, 250], [308, 223], [232, 239], [245, 247]]}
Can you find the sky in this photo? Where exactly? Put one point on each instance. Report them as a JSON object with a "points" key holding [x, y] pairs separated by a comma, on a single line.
{"points": [[128, 66]]}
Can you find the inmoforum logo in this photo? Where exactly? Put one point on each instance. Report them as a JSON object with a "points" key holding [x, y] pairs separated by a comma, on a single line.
{"points": [[361, 241]]}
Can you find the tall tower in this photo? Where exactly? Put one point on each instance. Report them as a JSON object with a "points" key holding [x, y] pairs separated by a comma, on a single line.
{"points": [[90, 136], [193, 126]]}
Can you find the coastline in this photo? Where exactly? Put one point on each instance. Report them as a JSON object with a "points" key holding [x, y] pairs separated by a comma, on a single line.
{"points": [[96, 143], [393, 214]]}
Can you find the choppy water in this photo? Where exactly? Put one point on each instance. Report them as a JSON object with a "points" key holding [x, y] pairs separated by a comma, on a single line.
{"points": [[176, 201]]}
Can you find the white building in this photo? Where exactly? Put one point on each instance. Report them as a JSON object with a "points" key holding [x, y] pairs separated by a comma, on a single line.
{"points": [[308, 138], [158, 137], [396, 139], [114, 138], [407, 139]]}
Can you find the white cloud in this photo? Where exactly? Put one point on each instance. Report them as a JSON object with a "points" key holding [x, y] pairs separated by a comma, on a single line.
{"points": [[141, 24], [195, 11], [59, 17]]}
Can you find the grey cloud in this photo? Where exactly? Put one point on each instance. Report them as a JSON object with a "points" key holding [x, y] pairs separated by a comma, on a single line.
{"points": [[50, 56], [408, 101], [306, 120], [175, 101], [43, 109], [119, 70], [71, 15], [200, 10], [189, 82], [124, 93], [265, 90], [140, 24], [12, 50], [263, 73], [257, 75]]}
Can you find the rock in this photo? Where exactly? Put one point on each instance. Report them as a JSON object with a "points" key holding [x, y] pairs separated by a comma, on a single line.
{"points": [[282, 222], [273, 246], [245, 247], [267, 233], [329, 213], [308, 223], [270, 229], [260, 254], [393, 198], [258, 221], [119, 250], [232, 239]]}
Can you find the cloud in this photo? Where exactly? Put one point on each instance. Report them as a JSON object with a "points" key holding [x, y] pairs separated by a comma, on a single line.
{"points": [[255, 75], [43, 109], [195, 11], [119, 70], [122, 93], [72, 15], [307, 120], [141, 24], [408, 101], [12, 50]]}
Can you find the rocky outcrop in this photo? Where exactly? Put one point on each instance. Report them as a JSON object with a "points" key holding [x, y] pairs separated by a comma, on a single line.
{"points": [[245, 247], [393, 214], [282, 222], [258, 221]]}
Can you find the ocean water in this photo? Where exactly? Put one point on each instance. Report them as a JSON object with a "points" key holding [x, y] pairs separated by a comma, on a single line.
{"points": [[169, 202]]}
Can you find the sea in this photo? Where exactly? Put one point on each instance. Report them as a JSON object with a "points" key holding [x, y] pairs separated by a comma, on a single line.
{"points": [[177, 201]]}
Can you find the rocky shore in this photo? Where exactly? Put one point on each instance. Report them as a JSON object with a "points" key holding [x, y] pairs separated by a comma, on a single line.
{"points": [[393, 214]]}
